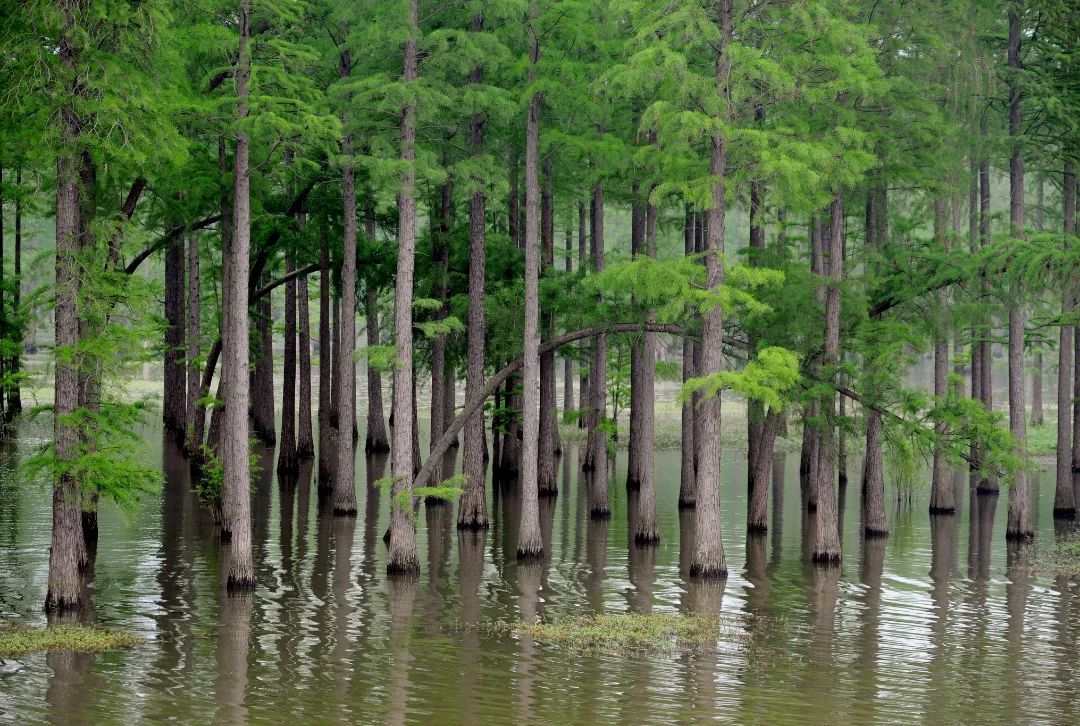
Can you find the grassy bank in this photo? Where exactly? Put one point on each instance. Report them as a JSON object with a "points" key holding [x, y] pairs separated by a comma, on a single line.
{"points": [[20, 640]]}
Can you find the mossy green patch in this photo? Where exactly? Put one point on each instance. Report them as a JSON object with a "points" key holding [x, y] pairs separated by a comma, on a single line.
{"points": [[624, 633], [1062, 559], [18, 640]]}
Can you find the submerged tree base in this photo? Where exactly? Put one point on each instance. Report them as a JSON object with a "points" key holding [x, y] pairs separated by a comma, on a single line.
{"points": [[627, 633], [18, 640], [826, 558]]}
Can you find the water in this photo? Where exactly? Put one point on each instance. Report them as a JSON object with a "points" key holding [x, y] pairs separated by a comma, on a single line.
{"points": [[941, 622]]}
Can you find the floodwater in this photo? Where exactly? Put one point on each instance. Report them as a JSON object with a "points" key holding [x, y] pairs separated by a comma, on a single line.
{"points": [[940, 623]]}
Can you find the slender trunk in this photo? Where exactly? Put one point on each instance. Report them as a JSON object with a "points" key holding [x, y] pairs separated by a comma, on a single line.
{"points": [[305, 444], [1064, 492], [64, 582], [873, 478], [548, 446], [812, 430], [1019, 516], [757, 513], [687, 479], [174, 402], [288, 463], [326, 428], [1037, 417], [376, 440], [569, 403], [14, 392], [633, 452], [402, 556], [335, 381], [827, 533], [510, 461], [262, 380], [645, 525], [217, 413], [583, 370], [596, 449], [236, 482], [986, 380], [440, 259], [976, 348], [941, 489], [196, 418], [344, 498], [472, 509], [708, 558], [755, 409], [530, 543]]}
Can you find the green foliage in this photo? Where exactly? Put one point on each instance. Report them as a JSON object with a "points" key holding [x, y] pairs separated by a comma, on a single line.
{"points": [[766, 378], [20, 640]]}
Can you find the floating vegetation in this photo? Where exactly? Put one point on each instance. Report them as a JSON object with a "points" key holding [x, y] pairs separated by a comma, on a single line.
{"points": [[1061, 559], [20, 640], [628, 633]]}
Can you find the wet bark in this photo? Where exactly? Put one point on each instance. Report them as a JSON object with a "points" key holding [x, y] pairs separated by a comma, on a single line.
{"points": [[708, 558], [1019, 524], [941, 489], [402, 557], [530, 543], [236, 484]]}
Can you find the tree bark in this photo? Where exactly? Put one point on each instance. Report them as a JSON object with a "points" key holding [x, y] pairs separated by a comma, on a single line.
{"points": [[196, 418], [941, 489], [757, 513], [472, 508], [973, 246], [827, 533], [262, 380], [14, 392], [236, 483], [1037, 417], [548, 446], [174, 402], [376, 440], [1064, 490], [530, 543], [569, 403], [596, 450], [326, 428], [440, 259], [288, 463], [402, 556], [986, 484], [633, 451], [64, 592], [755, 409], [874, 522], [687, 479], [645, 525], [583, 370], [305, 444], [708, 558], [1019, 516]]}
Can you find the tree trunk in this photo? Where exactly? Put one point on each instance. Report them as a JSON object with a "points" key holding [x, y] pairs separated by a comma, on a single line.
{"points": [[583, 370], [986, 380], [262, 381], [827, 533], [174, 402], [1064, 492], [645, 526], [305, 444], [1019, 515], [596, 449], [548, 446], [569, 403], [941, 489], [509, 464], [472, 509], [67, 536], [687, 479], [236, 482], [335, 381], [14, 392], [812, 431], [440, 259], [196, 414], [376, 440], [288, 464], [873, 478], [344, 470], [1037, 417], [326, 428], [530, 543], [757, 513], [402, 556], [755, 409], [976, 348], [633, 452], [708, 558]]}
